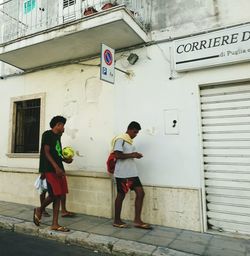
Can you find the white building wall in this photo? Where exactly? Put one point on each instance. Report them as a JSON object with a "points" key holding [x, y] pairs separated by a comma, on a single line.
{"points": [[172, 160], [185, 17], [167, 19], [232, 12], [75, 92], [96, 111], [171, 167]]}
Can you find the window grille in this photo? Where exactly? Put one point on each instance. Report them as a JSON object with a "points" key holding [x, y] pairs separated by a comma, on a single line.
{"points": [[67, 3], [27, 126]]}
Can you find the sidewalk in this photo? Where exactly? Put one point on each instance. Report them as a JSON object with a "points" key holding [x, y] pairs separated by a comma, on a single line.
{"points": [[99, 234]]}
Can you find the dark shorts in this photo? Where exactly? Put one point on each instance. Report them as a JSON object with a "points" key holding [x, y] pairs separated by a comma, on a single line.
{"points": [[126, 184], [57, 186]]}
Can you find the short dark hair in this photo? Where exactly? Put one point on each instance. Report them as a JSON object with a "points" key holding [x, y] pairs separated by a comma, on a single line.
{"points": [[134, 125], [57, 119]]}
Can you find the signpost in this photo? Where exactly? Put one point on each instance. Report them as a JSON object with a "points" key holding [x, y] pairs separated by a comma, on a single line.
{"points": [[107, 70]]}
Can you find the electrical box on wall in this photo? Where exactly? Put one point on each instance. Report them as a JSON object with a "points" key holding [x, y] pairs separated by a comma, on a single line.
{"points": [[171, 121]]}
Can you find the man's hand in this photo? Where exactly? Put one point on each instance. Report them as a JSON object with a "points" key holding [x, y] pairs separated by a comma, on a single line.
{"points": [[137, 155], [42, 177], [59, 172], [68, 160]]}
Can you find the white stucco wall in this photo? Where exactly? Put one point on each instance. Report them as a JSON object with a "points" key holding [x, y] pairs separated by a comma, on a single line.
{"points": [[168, 19], [180, 18], [232, 12], [96, 111], [75, 92], [172, 160]]}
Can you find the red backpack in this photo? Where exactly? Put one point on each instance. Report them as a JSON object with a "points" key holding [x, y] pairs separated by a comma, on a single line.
{"points": [[111, 161]]}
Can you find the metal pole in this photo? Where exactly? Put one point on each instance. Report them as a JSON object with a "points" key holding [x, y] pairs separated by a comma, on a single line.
{"points": [[125, 72]]}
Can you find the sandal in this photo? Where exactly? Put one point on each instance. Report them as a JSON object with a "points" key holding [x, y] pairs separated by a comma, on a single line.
{"points": [[122, 225], [61, 229], [36, 220], [67, 215], [143, 226]]}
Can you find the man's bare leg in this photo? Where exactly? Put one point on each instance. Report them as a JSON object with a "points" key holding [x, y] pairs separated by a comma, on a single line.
{"points": [[39, 210], [118, 207], [138, 205], [56, 207]]}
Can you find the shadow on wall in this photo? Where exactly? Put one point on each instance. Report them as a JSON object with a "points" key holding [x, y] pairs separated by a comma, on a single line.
{"points": [[175, 13]]}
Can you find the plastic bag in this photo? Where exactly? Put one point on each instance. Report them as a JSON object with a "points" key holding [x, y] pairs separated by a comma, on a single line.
{"points": [[40, 185]]}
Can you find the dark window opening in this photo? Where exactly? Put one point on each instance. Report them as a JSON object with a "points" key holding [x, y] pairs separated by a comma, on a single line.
{"points": [[67, 3], [27, 126]]}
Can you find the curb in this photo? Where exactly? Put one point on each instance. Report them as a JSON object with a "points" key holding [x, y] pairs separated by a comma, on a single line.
{"points": [[101, 243]]}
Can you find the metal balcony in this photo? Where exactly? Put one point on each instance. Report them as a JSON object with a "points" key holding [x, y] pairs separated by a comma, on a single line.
{"points": [[39, 33]]}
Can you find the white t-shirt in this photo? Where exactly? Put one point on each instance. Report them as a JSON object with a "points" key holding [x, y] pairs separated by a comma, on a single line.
{"points": [[125, 168]]}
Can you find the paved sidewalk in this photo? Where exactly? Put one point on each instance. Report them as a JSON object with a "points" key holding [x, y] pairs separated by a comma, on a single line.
{"points": [[99, 234]]}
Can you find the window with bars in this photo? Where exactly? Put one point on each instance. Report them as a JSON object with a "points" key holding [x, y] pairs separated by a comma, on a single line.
{"points": [[26, 127], [67, 3]]}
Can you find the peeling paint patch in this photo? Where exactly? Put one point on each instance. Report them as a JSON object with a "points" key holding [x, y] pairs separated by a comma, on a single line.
{"points": [[70, 108], [151, 131], [93, 89], [78, 153]]}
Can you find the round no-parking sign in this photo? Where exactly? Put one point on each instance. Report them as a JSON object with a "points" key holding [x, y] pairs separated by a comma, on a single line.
{"points": [[108, 57], [107, 71]]}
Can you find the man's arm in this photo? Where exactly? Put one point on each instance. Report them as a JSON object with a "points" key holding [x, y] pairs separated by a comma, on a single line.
{"points": [[121, 155], [58, 170]]}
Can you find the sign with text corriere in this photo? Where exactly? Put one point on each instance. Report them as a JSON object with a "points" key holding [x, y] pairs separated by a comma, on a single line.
{"points": [[221, 47], [107, 69]]}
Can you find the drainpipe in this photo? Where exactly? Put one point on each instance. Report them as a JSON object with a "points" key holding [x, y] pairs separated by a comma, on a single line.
{"points": [[1, 68]]}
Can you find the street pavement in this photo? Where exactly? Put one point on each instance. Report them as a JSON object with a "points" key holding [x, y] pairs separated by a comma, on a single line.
{"points": [[12, 244], [98, 234]]}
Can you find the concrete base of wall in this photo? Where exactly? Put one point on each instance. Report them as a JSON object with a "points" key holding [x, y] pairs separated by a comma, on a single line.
{"points": [[171, 207], [93, 193]]}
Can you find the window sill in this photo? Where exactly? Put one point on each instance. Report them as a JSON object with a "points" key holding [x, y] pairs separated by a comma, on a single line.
{"points": [[23, 155]]}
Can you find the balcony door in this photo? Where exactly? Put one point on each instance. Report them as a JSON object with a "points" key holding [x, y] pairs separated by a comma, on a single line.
{"points": [[71, 10], [33, 15]]}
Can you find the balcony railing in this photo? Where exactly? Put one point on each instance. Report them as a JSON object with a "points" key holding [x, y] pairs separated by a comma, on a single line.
{"points": [[19, 18]]}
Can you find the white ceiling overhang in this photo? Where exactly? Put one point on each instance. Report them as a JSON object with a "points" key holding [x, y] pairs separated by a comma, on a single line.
{"points": [[76, 40]]}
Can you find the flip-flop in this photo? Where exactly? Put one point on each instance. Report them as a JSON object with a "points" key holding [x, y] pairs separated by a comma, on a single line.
{"points": [[61, 229], [68, 215], [36, 220], [123, 225], [143, 226]]}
